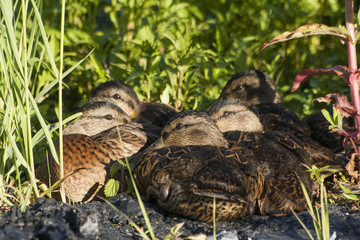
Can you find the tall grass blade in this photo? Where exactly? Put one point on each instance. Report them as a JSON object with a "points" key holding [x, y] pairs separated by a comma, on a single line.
{"points": [[138, 229], [141, 204], [311, 210], [56, 81], [302, 224], [61, 163], [49, 52]]}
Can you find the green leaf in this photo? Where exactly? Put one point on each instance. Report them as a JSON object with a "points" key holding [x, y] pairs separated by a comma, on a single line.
{"points": [[166, 3], [348, 193], [174, 230], [111, 188], [165, 95], [327, 115], [115, 168], [146, 34]]}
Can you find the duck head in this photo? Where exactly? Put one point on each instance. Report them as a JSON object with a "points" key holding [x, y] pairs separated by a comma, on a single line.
{"points": [[252, 87], [97, 117], [119, 94], [190, 127], [235, 115]]}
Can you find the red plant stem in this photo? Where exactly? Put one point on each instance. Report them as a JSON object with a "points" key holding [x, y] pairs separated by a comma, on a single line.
{"points": [[355, 97]]}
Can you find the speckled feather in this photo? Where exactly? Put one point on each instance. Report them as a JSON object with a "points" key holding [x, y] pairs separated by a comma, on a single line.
{"points": [[90, 158], [184, 180], [279, 157]]}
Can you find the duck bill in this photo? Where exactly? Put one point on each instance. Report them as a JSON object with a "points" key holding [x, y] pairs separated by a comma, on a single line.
{"points": [[158, 143], [135, 113]]}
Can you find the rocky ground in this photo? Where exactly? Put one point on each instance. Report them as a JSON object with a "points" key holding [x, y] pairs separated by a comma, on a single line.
{"points": [[51, 219]]}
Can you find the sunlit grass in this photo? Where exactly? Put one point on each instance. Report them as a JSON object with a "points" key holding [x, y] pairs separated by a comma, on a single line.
{"points": [[25, 55]]}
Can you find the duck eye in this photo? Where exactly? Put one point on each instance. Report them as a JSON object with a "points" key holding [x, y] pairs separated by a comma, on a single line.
{"points": [[179, 126], [226, 113], [117, 96], [108, 117], [239, 87]]}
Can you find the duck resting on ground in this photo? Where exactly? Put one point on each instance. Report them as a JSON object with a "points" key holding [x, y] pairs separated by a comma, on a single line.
{"points": [[87, 159], [278, 155], [190, 165]]}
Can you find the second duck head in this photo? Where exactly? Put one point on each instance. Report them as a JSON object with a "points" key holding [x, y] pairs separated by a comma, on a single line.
{"points": [[235, 115], [190, 127]]}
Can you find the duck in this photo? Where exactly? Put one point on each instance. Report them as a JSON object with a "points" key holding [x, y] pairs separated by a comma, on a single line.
{"points": [[124, 96], [280, 156], [190, 165], [88, 157], [120, 94], [97, 117], [257, 89], [251, 86]]}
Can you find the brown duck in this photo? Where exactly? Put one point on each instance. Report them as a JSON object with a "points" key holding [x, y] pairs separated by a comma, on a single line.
{"points": [[257, 89], [89, 158], [125, 97], [190, 165], [280, 156], [97, 117], [252, 86]]}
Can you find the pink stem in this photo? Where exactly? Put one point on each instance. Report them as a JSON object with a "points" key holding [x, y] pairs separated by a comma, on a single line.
{"points": [[349, 19]]}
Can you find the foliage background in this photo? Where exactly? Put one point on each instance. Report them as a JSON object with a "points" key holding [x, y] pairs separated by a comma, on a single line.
{"points": [[183, 52], [176, 52]]}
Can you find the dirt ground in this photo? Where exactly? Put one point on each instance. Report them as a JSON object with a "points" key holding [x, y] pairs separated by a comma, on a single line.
{"points": [[51, 219]]}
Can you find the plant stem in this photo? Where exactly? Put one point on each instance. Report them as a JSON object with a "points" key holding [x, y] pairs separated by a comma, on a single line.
{"points": [[62, 192], [349, 20], [28, 141]]}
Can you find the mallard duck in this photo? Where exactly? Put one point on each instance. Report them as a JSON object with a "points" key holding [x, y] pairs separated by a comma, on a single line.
{"points": [[252, 86], [125, 97], [279, 155], [97, 117], [120, 94], [257, 89], [190, 165], [88, 158]]}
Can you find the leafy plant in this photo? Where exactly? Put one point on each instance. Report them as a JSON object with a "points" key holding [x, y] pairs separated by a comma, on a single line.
{"points": [[350, 74], [342, 106]]}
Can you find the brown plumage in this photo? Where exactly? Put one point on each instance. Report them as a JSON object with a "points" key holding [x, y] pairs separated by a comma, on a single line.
{"points": [[155, 113], [89, 158], [97, 117], [125, 97], [277, 117], [241, 117], [189, 165], [119, 94], [252, 86], [256, 88], [278, 155]]}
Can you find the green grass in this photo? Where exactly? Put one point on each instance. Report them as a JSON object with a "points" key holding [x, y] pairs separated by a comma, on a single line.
{"points": [[25, 53]]}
